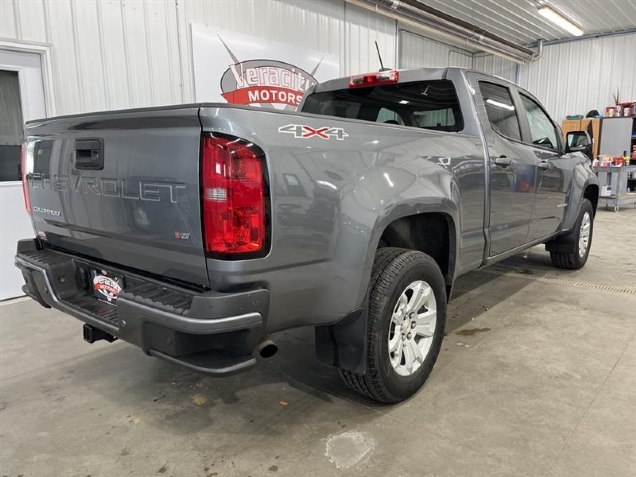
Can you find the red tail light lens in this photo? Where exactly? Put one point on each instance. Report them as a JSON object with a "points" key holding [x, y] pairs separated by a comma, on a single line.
{"points": [[233, 196], [24, 171], [374, 79]]}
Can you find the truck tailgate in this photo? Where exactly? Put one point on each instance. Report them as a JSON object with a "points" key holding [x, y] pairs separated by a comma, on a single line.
{"points": [[121, 187]]}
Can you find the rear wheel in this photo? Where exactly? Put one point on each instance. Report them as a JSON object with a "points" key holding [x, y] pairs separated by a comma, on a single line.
{"points": [[581, 237], [406, 315]]}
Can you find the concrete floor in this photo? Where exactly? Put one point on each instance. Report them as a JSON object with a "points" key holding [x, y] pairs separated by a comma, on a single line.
{"points": [[537, 376]]}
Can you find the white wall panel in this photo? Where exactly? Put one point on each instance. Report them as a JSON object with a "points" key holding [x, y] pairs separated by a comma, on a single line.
{"points": [[114, 54], [362, 29], [495, 65], [66, 80], [576, 77], [137, 53], [8, 20], [418, 52], [90, 65], [163, 51], [30, 19], [306, 23]]}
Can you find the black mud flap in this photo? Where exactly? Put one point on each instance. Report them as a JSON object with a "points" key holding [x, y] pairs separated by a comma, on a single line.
{"points": [[567, 243], [344, 344]]}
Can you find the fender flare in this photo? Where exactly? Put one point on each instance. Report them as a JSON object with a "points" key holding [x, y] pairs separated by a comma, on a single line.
{"points": [[578, 193], [344, 344], [567, 242]]}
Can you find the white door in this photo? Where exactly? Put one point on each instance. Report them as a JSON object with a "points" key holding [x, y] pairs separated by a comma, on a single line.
{"points": [[21, 99]]}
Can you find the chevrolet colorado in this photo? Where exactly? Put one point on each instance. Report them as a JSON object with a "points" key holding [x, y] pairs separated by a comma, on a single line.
{"points": [[196, 231]]}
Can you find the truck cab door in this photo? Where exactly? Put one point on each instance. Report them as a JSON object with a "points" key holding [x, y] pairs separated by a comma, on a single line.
{"points": [[543, 138], [511, 165]]}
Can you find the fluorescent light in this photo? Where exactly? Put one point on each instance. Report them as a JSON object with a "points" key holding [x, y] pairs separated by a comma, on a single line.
{"points": [[328, 184], [559, 20], [404, 101], [500, 105]]}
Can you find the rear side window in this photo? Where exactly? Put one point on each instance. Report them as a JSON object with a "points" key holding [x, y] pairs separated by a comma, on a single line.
{"points": [[424, 104], [542, 130], [500, 109]]}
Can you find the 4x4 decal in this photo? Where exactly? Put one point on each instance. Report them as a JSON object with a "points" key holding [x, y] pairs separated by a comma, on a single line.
{"points": [[301, 131]]}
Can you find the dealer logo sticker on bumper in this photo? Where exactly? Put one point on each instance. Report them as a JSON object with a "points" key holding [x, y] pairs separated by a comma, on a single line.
{"points": [[107, 287]]}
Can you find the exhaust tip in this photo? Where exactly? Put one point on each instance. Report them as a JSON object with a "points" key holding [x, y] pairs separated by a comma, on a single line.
{"points": [[267, 349]]}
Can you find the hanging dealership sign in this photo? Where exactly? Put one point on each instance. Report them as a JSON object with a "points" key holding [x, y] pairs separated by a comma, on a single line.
{"points": [[242, 69]]}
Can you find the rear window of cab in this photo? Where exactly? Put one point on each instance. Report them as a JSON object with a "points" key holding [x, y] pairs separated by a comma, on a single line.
{"points": [[423, 104]]}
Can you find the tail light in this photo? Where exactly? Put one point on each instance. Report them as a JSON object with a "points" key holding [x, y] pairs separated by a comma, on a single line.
{"points": [[233, 196], [374, 79], [24, 171]]}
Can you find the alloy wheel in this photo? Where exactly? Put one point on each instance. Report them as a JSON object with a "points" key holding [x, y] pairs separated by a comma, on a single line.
{"points": [[584, 234], [412, 328]]}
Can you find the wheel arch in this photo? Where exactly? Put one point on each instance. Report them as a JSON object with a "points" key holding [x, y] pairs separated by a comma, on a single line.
{"points": [[584, 186], [591, 193], [433, 232]]}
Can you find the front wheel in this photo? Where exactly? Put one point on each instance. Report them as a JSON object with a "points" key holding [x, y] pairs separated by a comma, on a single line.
{"points": [[406, 315], [581, 236]]}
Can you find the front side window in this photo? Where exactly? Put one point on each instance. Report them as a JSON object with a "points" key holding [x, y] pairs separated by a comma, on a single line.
{"points": [[542, 130], [500, 109], [422, 104]]}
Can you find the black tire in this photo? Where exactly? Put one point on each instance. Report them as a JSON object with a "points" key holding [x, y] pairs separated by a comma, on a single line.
{"points": [[574, 260], [393, 270]]}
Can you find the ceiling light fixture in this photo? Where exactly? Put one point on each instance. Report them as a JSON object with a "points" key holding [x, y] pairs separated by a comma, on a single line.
{"points": [[559, 19]]}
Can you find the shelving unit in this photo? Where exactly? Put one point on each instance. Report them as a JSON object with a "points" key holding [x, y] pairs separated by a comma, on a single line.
{"points": [[614, 191], [631, 182]]}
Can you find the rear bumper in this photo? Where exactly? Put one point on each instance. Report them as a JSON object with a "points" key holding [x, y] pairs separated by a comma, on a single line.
{"points": [[209, 332]]}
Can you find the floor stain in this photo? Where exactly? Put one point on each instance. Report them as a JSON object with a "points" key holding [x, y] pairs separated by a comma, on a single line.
{"points": [[349, 448], [134, 419], [524, 271], [199, 399], [471, 331]]}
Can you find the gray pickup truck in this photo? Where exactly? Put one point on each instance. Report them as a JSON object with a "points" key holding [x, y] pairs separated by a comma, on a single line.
{"points": [[197, 231]]}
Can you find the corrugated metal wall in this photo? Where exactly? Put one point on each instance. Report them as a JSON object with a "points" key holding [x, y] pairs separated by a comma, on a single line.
{"points": [[418, 51], [106, 54], [575, 77], [495, 65], [113, 54]]}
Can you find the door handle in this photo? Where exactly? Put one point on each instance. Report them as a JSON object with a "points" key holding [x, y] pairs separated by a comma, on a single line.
{"points": [[544, 165], [503, 161], [89, 154]]}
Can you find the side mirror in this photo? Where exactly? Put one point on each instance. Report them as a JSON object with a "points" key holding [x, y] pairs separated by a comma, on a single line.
{"points": [[578, 141]]}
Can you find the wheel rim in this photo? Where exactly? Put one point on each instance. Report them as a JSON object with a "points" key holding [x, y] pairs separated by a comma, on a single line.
{"points": [[584, 234], [412, 328]]}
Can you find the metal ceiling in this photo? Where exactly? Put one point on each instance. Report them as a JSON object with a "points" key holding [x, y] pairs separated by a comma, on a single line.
{"points": [[518, 21]]}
